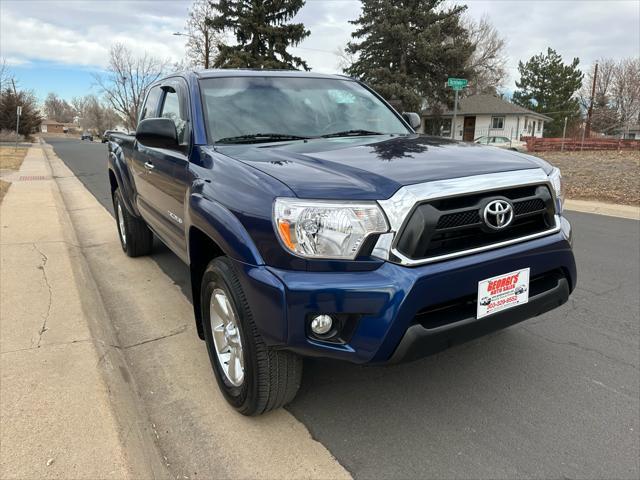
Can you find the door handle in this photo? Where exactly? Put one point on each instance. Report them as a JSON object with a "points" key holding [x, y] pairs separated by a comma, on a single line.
{"points": [[149, 165]]}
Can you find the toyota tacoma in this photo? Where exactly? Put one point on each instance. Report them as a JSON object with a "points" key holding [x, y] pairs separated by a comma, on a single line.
{"points": [[316, 222]]}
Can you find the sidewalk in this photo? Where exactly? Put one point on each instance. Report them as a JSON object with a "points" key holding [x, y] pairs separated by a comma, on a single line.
{"points": [[602, 208], [65, 403]]}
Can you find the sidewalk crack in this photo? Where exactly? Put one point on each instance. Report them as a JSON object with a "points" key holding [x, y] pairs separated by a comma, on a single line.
{"points": [[42, 266], [172, 333]]}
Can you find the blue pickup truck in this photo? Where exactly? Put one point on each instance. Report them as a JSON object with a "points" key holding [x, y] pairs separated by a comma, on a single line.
{"points": [[316, 223]]}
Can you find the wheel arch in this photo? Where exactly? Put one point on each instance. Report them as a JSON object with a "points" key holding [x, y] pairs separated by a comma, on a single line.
{"points": [[119, 178], [214, 231]]}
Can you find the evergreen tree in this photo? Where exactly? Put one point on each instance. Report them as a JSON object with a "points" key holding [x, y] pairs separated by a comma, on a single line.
{"points": [[262, 33], [406, 49], [10, 99], [548, 85]]}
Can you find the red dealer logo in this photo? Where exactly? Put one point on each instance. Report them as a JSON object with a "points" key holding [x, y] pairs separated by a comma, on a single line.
{"points": [[503, 284]]}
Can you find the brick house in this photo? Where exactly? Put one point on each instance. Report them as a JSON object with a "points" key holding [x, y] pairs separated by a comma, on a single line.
{"points": [[51, 126]]}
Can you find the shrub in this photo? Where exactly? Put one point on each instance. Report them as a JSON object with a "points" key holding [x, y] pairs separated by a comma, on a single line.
{"points": [[10, 136]]}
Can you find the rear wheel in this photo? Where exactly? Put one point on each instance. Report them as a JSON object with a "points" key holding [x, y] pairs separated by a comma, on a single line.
{"points": [[135, 237], [252, 377]]}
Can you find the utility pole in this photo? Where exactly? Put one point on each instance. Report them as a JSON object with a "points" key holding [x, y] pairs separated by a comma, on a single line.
{"points": [[593, 93]]}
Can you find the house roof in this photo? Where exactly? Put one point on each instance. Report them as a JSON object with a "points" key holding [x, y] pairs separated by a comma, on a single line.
{"points": [[50, 122], [490, 105]]}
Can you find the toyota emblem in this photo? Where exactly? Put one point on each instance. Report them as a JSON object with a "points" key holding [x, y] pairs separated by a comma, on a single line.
{"points": [[498, 214]]}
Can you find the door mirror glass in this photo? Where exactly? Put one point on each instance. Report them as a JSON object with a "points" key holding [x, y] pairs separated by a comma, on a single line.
{"points": [[158, 133], [412, 119]]}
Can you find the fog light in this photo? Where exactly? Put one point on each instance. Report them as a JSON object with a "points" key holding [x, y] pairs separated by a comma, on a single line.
{"points": [[321, 324]]}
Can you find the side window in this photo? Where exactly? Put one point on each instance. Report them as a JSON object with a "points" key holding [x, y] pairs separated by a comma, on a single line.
{"points": [[151, 104], [172, 109], [497, 122]]}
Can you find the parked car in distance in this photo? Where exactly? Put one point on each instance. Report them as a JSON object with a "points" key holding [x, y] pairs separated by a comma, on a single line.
{"points": [[105, 135], [86, 136], [502, 142], [315, 222]]}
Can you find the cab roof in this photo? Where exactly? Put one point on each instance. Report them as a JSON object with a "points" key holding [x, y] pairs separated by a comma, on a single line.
{"points": [[232, 72]]}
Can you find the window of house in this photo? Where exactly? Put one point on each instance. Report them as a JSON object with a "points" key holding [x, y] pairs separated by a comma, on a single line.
{"points": [[539, 126], [497, 122]]}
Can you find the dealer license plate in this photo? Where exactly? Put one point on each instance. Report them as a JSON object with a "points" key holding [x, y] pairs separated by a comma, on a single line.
{"points": [[500, 293]]}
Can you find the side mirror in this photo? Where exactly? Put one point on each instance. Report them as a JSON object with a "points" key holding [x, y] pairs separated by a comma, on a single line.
{"points": [[158, 133], [412, 119]]}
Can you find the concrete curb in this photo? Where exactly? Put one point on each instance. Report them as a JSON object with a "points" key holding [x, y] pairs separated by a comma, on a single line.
{"points": [[135, 430], [197, 433], [602, 208]]}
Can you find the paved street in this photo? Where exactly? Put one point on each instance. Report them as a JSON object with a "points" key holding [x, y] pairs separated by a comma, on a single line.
{"points": [[557, 396]]}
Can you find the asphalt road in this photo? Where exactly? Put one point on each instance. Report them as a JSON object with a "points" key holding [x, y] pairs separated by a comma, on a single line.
{"points": [[556, 396]]}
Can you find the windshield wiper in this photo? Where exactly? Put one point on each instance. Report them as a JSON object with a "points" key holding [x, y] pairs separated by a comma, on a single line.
{"points": [[352, 133], [261, 137]]}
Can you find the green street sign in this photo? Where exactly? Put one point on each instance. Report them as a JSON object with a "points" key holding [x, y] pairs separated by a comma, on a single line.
{"points": [[457, 83]]}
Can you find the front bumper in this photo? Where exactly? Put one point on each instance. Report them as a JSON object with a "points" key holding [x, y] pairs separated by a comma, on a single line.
{"points": [[386, 302]]}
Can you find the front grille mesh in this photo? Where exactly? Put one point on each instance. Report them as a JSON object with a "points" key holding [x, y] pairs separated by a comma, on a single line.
{"points": [[528, 206], [453, 220]]}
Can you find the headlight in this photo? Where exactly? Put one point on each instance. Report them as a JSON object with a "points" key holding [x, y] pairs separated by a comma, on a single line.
{"points": [[326, 229], [555, 177]]}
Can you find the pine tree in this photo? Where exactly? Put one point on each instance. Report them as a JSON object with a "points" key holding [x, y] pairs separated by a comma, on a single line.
{"points": [[10, 99], [548, 85], [406, 49], [262, 33]]}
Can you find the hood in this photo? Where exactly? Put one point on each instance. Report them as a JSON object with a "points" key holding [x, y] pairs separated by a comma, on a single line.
{"points": [[373, 168]]}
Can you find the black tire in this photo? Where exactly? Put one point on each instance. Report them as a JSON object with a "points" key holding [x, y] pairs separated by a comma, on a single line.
{"points": [[137, 239], [271, 377]]}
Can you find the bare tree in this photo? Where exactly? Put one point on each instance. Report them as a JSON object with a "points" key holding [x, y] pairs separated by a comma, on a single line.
{"points": [[604, 116], [97, 116], [58, 109], [5, 74], [489, 59], [79, 104], [604, 82], [126, 81], [345, 58], [626, 91], [203, 41], [616, 102]]}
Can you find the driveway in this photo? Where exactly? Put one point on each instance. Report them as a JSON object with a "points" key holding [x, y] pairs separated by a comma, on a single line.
{"points": [[556, 396]]}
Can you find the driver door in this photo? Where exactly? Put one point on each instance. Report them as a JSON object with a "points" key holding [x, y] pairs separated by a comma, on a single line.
{"points": [[166, 178]]}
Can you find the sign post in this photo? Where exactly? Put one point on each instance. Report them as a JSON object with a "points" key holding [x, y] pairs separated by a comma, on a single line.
{"points": [[18, 113], [456, 84]]}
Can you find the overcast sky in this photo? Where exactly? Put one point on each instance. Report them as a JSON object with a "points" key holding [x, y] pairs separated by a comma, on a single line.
{"points": [[54, 45]]}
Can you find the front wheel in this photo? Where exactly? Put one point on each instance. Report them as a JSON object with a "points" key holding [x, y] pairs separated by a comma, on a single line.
{"points": [[253, 377]]}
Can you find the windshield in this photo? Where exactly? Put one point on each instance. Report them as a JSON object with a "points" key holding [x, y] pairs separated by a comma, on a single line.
{"points": [[247, 109]]}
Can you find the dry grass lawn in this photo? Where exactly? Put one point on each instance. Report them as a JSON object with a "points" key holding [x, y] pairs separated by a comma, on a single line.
{"points": [[4, 187], [10, 159], [606, 176]]}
